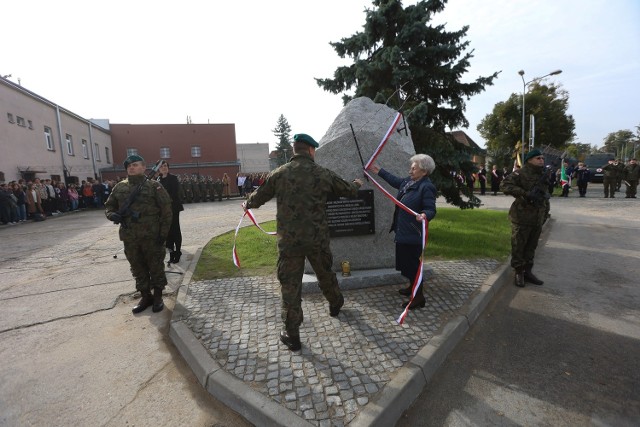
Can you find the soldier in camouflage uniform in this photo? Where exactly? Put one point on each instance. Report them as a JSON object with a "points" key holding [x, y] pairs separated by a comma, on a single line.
{"points": [[631, 174], [528, 213], [203, 189], [188, 189], [196, 190], [143, 230], [217, 188], [301, 188], [209, 188], [610, 178], [620, 165]]}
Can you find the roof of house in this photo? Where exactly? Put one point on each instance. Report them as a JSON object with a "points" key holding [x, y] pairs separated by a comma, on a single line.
{"points": [[464, 139]]}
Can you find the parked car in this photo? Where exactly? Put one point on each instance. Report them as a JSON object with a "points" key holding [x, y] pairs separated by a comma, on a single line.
{"points": [[595, 162]]}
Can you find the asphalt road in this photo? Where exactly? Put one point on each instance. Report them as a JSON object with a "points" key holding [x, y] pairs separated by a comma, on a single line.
{"points": [[564, 354], [72, 352]]}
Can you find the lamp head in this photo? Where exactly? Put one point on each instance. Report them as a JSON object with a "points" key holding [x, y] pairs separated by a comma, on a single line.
{"points": [[553, 73], [521, 72]]}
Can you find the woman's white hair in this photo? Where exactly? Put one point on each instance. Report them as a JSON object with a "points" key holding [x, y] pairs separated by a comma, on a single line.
{"points": [[424, 162]]}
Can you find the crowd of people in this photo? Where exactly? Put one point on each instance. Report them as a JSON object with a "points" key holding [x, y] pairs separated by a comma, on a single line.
{"points": [[615, 173], [36, 200]]}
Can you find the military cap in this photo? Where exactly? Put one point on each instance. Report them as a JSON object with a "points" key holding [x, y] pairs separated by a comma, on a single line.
{"points": [[303, 137], [132, 159], [533, 153]]}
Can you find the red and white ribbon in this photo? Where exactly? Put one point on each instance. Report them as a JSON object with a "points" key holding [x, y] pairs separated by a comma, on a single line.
{"points": [[236, 259]]}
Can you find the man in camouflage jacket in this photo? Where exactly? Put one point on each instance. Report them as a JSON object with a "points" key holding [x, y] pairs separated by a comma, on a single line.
{"points": [[631, 174], [143, 230], [528, 213], [301, 188]]}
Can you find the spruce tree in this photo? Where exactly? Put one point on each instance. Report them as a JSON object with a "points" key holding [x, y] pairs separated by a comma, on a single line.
{"points": [[400, 48], [282, 131]]}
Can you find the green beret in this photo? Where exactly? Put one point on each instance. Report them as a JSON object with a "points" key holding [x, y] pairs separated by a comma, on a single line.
{"points": [[132, 159], [533, 153], [303, 137]]}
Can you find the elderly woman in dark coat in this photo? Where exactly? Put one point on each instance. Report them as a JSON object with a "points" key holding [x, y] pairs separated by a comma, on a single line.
{"points": [[418, 193]]}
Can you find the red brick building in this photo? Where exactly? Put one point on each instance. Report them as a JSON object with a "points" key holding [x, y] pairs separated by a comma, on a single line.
{"points": [[200, 149]]}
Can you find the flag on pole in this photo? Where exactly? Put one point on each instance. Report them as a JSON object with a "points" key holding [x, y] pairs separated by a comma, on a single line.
{"points": [[564, 180]]}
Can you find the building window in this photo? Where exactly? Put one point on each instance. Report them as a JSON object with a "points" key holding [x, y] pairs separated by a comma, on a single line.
{"points": [[48, 138], [85, 149], [107, 157], [132, 152], [10, 118], [195, 151], [165, 152], [97, 151], [69, 141], [30, 124], [20, 121]]}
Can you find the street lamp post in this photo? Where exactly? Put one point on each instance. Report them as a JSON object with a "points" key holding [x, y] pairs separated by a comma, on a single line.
{"points": [[524, 90]]}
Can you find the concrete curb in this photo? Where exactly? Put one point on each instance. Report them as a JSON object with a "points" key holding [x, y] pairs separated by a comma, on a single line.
{"points": [[388, 406], [400, 393]]}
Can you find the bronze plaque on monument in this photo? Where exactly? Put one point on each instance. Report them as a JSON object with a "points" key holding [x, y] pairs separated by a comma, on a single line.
{"points": [[351, 217]]}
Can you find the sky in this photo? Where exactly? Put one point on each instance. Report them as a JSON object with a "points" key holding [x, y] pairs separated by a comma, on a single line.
{"points": [[248, 62]]}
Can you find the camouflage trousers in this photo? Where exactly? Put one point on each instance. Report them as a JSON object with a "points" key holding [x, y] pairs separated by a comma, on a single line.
{"points": [[290, 272], [524, 241], [632, 188], [146, 259], [609, 186]]}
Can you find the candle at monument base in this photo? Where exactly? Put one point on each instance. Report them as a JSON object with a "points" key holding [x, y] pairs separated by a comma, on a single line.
{"points": [[346, 268]]}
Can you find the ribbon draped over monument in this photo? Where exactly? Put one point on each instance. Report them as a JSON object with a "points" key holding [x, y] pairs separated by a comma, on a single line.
{"points": [[418, 279]]}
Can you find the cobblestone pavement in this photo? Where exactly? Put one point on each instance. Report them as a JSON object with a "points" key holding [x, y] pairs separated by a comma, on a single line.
{"points": [[345, 361]]}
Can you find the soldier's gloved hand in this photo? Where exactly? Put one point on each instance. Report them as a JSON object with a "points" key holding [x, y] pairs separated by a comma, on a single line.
{"points": [[115, 218]]}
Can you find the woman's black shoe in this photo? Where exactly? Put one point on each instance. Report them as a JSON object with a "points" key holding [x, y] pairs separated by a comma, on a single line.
{"points": [[416, 304], [176, 257], [405, 291]]}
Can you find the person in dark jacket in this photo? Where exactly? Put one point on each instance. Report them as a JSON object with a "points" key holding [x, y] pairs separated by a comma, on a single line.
{"points": [[583, 176], [174, 238], [528, 213], [418, 193]]}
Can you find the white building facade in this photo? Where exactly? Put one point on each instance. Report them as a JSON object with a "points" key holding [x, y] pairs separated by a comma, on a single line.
{"points": [[40, 139]]}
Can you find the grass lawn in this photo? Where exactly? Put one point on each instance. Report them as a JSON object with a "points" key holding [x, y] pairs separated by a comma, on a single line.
{"points": [[453, 234]]}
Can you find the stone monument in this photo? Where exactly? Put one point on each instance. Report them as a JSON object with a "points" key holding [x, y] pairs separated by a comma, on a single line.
{"points": [[339, 153]]}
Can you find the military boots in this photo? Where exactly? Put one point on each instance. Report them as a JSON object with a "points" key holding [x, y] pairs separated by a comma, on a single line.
{"points": [[529, 277], [519, 282], [144, 303], [291, 341], [158, 304]]}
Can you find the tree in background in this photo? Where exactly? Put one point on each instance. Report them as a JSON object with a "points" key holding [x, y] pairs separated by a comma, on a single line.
{"points": [[502, 129], [283, 133], [399, 48], [622, 143], [577, 150]]}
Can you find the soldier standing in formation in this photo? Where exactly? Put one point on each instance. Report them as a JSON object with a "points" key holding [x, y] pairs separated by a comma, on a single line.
{"points": [[144, 217], [217, 189], [301, 188], [528, 212], [631, 173], [610, 178]]}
